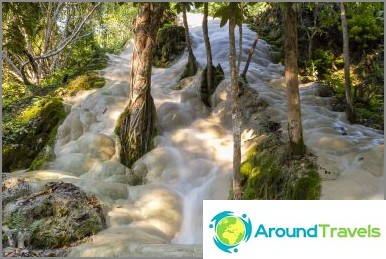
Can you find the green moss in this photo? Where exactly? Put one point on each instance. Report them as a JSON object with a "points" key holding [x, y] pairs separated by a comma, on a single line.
{"points": [[270, 173], [47, 153], [307, 187], [86, 81], [26, 135], [246, 169]]}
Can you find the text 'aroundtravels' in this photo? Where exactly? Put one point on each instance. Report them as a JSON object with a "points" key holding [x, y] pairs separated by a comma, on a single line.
{"points": [[318, 230]]}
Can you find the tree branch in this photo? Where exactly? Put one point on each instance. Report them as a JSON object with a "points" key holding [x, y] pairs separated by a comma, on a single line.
{"points": [[70, 38], [14, 70]]}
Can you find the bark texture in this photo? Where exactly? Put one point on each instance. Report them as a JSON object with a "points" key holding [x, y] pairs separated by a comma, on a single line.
{"points": [[208, 49], [295, 130], [191, 66], [350, 114], [236, 112], [136, 125]]}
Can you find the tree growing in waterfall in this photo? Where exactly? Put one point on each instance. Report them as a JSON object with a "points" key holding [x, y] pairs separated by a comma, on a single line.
{"points": [[136, 125], [236, 112], [233, 13], [295, 130], [350, 114], [208, 49], [191, 66]]}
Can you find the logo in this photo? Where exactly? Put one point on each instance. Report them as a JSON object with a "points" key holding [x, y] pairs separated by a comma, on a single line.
{"points": [[230, 230]]}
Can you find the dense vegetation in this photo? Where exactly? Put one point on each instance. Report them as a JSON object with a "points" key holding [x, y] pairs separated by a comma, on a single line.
{"points": [[321, 54], [75, 37]]}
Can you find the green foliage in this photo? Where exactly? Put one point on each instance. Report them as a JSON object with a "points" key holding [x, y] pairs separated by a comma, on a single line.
{"points": [[322, 60], [336, 81], [365, 23], [178, 6], [114, 26], [224, 11]]}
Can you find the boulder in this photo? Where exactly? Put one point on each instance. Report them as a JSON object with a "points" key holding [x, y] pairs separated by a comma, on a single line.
{"points": [[323, 90], [56, 215]]}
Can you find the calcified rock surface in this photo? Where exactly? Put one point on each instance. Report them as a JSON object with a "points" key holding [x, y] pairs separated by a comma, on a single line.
{"points": [[192, 160]]}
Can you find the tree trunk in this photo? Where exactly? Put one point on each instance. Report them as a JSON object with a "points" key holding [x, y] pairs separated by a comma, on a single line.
{"points": [[191, 67], [240, 40], [244, 74], [350, 114], [236, 113], [208, 49], [295, 130], [310, 38], [136, 125]]}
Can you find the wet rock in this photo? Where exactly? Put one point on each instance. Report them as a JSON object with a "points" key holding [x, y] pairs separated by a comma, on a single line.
{"points": [[337, 104], [217, 77], [160, 164], [55, 215], [223, 112], [175, 115], [23, 252], [76, 163], [98, 145], [250, 103], [372, 161], [323, 90], [109, 171]]}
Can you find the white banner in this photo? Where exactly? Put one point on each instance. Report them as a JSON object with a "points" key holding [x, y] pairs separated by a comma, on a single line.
{"points": [[294, 229]]}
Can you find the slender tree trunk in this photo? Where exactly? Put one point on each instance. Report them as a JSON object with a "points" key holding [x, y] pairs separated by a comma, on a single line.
{"points": [[350, 114], [309, 45], [240, 40], [191, 67], [295, 130], [136, 125], [240, 48], [244, 74], [236, 112], [208, 49]]}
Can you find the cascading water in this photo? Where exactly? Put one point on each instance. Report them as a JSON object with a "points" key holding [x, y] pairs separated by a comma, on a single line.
{"points": [[192, 160]]}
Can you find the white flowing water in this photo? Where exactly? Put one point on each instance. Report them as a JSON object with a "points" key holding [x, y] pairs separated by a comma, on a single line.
{"points": [[192, 160]]}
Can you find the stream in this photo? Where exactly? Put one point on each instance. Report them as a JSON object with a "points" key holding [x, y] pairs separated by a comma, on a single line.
{"points": [[192, 160]]}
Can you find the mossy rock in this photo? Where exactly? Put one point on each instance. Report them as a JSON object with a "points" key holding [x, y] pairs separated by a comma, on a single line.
{"points": [[56, 215], [323, 90], [217, 77], [170, 45], [30, 132], [87, 81], [190, 68], [270, 172]]}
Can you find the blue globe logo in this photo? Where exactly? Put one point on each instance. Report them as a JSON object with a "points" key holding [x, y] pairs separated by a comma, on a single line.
{"points": [[230, 230]]}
